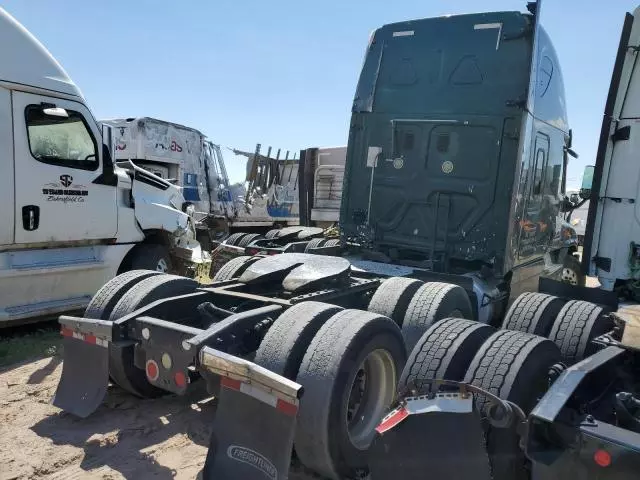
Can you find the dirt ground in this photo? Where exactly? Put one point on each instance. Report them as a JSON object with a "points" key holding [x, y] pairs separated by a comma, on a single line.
{"points": [[126, 438]]}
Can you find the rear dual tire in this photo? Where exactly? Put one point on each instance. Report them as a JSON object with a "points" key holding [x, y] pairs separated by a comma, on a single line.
{"points": [[444, 352], [513, 366], [575, 327], [314, 243], [349, 373], [432, 302], [114, 300], [509, 364], [234, 238], [234, 268], [392, 297], [533, 313]]}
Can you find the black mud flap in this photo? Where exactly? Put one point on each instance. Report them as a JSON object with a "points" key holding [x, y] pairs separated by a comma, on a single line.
{"points": [[439, 437], [85, 368], [253, 429]]}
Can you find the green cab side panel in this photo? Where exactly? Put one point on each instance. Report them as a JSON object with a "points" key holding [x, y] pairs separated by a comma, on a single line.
{"points": [[434, 138]]}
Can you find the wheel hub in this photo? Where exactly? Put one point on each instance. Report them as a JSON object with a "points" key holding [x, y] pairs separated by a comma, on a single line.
{"points": [[162, 266], [569, 276], [372, 391]]}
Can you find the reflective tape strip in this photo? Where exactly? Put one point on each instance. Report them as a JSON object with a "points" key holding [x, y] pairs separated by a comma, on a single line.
{"points": [[92, 339], [285, 407], [393, 419]]}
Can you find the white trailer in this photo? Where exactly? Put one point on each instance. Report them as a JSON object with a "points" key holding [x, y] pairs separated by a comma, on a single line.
{"points": [[71, 218]]}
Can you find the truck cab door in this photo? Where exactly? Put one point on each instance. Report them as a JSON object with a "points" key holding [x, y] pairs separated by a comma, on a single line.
{"points": [[61, 194]]}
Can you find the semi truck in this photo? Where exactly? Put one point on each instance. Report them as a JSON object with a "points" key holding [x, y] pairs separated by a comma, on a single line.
{"points": [[186, 157], [451, 214], [72, 218]]}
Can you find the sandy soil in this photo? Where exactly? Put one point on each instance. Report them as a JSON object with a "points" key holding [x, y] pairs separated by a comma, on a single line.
{"points": [[126, 438]]}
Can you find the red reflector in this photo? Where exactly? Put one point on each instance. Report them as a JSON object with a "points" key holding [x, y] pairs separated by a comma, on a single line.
{"points": [[66, 332], [152, 370], [392, 420], [180, 379], [602, 458], [230, 383], [287, 408]]}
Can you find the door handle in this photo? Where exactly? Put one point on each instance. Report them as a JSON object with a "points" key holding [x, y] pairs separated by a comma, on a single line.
{"points": [[30, 217]]}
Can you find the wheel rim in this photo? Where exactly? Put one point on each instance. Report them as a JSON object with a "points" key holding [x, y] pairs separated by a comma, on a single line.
{"points": [[569, 276], [372, 391], [162, 266]]}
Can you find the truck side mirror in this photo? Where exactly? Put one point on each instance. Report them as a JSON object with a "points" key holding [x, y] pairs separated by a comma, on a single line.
{"points": [[587, 180], [108, 141]]}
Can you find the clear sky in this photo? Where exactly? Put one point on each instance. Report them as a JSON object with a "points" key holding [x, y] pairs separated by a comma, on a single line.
{"points": [[283, 72]]}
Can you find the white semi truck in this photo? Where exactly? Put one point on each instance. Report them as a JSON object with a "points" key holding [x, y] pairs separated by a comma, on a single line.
{"points": [[185, 157], [71, 218]]}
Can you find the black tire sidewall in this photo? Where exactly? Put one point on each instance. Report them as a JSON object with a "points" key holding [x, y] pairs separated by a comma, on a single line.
{"points": [[508, 462], [146, 257], [339, 441]]}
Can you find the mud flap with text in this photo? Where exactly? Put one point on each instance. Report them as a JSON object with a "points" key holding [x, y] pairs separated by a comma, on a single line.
{"points": [[440, 437], [85, 367], [252, 435]]}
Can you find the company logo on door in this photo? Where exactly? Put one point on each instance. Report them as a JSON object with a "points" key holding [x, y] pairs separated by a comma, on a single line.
{"points": [[66, 180], [65, 191]]}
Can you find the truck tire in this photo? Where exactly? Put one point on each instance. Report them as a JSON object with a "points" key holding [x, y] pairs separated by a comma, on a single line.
{"points": [[533, 313], [314, 243], [271, 234], [338, 415], [572, 271], [105, 299], [444, 351], [431, 303], [234, 268], [513, 366], [286, 342], [392, 297], [234, 238], [151, 257], [121, 364], [332, 242], [247, 239], [576, 326]]}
